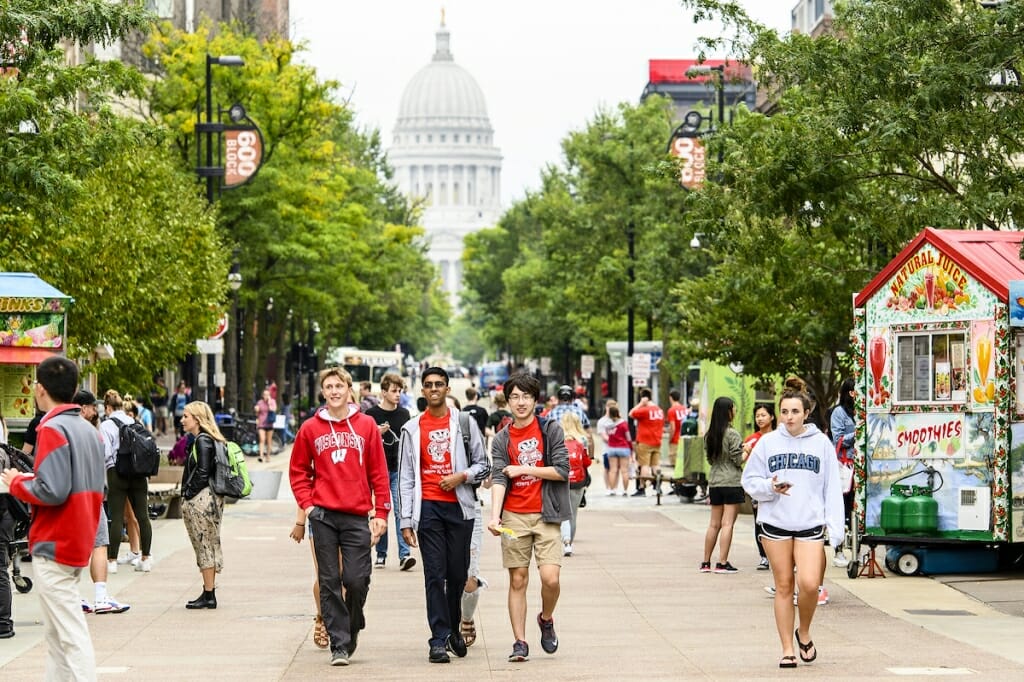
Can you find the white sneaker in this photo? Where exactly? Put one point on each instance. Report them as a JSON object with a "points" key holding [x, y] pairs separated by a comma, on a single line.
{"points": [[610, 492], [144, 565], [109, 605], [130, 557], [111, 567], [840, 561], [624, 493], [567, 549]]}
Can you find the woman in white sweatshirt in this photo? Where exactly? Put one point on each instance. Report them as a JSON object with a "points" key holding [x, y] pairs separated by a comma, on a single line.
{"points": [[794, 476]]}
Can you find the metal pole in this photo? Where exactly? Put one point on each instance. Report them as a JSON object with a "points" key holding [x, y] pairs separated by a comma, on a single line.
{"points": [[209, 119], [721, 111], [630, 238]]}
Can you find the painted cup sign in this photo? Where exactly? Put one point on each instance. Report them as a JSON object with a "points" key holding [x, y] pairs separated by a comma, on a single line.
{"points": [[930, 435], [243, 154], [878, 353], [692, 161], [930, 283]]}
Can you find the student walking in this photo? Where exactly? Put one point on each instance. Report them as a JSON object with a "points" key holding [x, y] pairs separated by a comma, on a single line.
{"points": [[793, 475], [529, 501], [724, 450], [339, 476], [442, 456], [764, 420]]}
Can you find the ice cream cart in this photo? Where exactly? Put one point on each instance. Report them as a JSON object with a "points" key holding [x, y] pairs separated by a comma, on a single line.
{"points": [[33, 319], [938, 469]]}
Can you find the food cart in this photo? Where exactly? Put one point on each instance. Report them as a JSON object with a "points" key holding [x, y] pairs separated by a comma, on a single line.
{"points": [[33, 326], [937, 362]]}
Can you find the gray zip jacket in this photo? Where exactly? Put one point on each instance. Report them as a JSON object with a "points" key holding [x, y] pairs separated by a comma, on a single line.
{"points": [[410, 487], [555, 506]]}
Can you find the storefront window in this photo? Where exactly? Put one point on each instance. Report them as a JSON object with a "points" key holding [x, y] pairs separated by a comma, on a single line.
{"points": [[931, 368]]}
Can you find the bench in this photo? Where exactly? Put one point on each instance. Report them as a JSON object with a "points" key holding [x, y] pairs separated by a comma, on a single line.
{"points": [[165, 488]]}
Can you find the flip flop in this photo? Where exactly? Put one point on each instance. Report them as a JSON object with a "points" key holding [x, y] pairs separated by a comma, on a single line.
{"points": [[787, 662], [804, 648]]}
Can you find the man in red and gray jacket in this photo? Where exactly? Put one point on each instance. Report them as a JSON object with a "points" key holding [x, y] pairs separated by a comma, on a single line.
{"points": [[339, 475], [65, 491]]}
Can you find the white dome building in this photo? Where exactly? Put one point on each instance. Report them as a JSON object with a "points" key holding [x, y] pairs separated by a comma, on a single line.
{"points": [[443, 153]]}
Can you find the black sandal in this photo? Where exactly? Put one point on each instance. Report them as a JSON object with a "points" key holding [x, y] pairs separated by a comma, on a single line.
{"points": [[787, 662], [804, 648]]}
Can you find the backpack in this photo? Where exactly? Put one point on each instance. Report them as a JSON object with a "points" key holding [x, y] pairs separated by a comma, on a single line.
{"points": [[230, 473], [137, 451]]}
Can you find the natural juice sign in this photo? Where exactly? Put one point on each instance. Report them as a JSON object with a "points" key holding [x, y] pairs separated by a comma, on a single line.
{"points": [[930, 282], [930, 435], [32, 330]]}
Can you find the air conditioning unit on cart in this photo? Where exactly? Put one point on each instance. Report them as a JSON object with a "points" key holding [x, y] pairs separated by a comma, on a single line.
{"points": [[975, 509]]}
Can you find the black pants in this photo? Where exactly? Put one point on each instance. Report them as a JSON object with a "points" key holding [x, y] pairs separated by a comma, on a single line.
{"points": [[134, 490], [350, 534], [6, 538], [444, 538]]}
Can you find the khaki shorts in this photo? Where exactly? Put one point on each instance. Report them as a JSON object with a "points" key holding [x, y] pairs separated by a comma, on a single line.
{"points": [[533, 537], [647, 455]]}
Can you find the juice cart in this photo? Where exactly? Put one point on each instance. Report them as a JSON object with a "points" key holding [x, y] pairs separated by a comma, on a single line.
{"points": [[936, 360], [33, 319]]}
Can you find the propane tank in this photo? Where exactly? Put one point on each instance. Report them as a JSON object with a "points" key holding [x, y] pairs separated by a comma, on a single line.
{"points": [[892, 508], [921, 512]]}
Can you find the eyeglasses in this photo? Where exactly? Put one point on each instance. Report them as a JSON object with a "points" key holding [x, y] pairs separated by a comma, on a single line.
{"points": [[434, 384], [520, 398]]}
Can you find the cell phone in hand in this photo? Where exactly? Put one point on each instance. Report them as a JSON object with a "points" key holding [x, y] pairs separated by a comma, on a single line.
{"points": [[782, 485]]}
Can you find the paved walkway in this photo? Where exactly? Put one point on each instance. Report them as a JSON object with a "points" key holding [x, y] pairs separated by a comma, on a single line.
{"points": [[633, 606]]}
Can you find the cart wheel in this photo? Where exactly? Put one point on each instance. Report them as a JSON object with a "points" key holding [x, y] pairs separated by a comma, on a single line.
{"points": [[890, 563], [907, 563], [853, 570], [23, 584]]}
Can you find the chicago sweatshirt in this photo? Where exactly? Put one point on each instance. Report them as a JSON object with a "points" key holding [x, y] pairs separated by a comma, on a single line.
{"points": [[339, 464], [808, 461]]}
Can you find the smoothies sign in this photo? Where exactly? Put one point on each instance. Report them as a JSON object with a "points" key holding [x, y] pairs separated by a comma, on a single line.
{"points": [[930, 435], [930, 283]]}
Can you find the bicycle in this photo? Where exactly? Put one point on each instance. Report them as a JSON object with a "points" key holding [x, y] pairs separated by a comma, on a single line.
{"points": [[247, 437]]}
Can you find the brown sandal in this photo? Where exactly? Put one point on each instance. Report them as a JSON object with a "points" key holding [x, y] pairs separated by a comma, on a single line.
{"points": [[468, 631], [787, 662], [320, 637]]}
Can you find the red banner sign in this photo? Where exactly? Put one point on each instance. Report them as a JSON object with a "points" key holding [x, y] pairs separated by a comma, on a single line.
{"points": [[243, 154], [693, 161]]}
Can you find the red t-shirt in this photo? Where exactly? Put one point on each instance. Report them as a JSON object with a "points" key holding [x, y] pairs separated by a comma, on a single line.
{"points": [[676, 415], [435, 457], [525, 449], [618, 437], [650, 420]]}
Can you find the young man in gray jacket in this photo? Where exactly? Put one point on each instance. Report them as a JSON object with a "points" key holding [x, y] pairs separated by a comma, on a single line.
{"points": [[437, 505], [529, 501]]}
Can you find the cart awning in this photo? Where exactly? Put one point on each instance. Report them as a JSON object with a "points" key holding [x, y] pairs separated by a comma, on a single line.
{"points": [[14, 355]]}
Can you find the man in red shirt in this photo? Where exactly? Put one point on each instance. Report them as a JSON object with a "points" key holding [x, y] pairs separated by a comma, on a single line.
{"points": [[529, 501], [339, 475], [650, 422], [65, 491], [675, 416], [438, 505]]}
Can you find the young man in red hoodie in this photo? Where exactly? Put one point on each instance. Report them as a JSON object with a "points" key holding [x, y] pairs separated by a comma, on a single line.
{"points": [[65, 491], [339, 475]]}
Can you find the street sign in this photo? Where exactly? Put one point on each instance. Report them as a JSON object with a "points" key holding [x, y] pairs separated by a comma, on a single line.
{"points": [[639, 383], [587, 366], [222, 327], [641, 366], [210, 346], [692, 160], [243, 156]]}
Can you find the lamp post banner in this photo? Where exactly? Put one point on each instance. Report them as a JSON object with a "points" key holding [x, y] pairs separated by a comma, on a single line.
{"points": [[692, 159], [243, 154]]}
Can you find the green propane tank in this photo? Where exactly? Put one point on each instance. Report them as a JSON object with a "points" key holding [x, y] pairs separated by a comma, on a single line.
{"points": [[892, 508], [921, 512]]}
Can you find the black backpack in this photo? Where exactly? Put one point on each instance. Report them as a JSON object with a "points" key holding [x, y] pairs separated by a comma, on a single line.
{"points": [[137, 451]]}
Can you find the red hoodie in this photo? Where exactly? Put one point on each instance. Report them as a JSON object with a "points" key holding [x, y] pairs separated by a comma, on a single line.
{"points": [[335, 463]]}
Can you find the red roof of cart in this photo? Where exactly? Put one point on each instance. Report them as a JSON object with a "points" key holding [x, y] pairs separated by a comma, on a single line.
{"points": [[993, 258]]}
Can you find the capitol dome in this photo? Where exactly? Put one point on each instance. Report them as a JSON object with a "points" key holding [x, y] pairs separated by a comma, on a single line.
{"points": [[444, 158]]}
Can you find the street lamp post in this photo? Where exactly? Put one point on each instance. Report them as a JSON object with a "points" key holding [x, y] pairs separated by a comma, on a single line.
{"points": [[630, 315], [232, 342], [209, 171]]}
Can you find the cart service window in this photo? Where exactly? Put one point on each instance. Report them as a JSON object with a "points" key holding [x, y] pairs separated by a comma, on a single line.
{"points": [[931, 367]]}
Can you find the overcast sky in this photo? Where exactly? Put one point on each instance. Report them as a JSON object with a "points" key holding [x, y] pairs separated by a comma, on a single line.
{"points": [[545, 67]]}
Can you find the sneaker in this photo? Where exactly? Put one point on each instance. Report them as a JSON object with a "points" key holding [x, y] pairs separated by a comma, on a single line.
{"points": [[456, 644], [111, 567], [6, 634], [86, 607], [705, 567], [624, 493], [438, 655], [726, 568], [548, 638], [144, 565], [130, 557], [610, 492], [640, 493], [822, 596], [770, 589], [520, 652], [763, 566], [567, 549], [109, 605], [379, 563], [406, 562], [840, 560], [339, 657]]}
